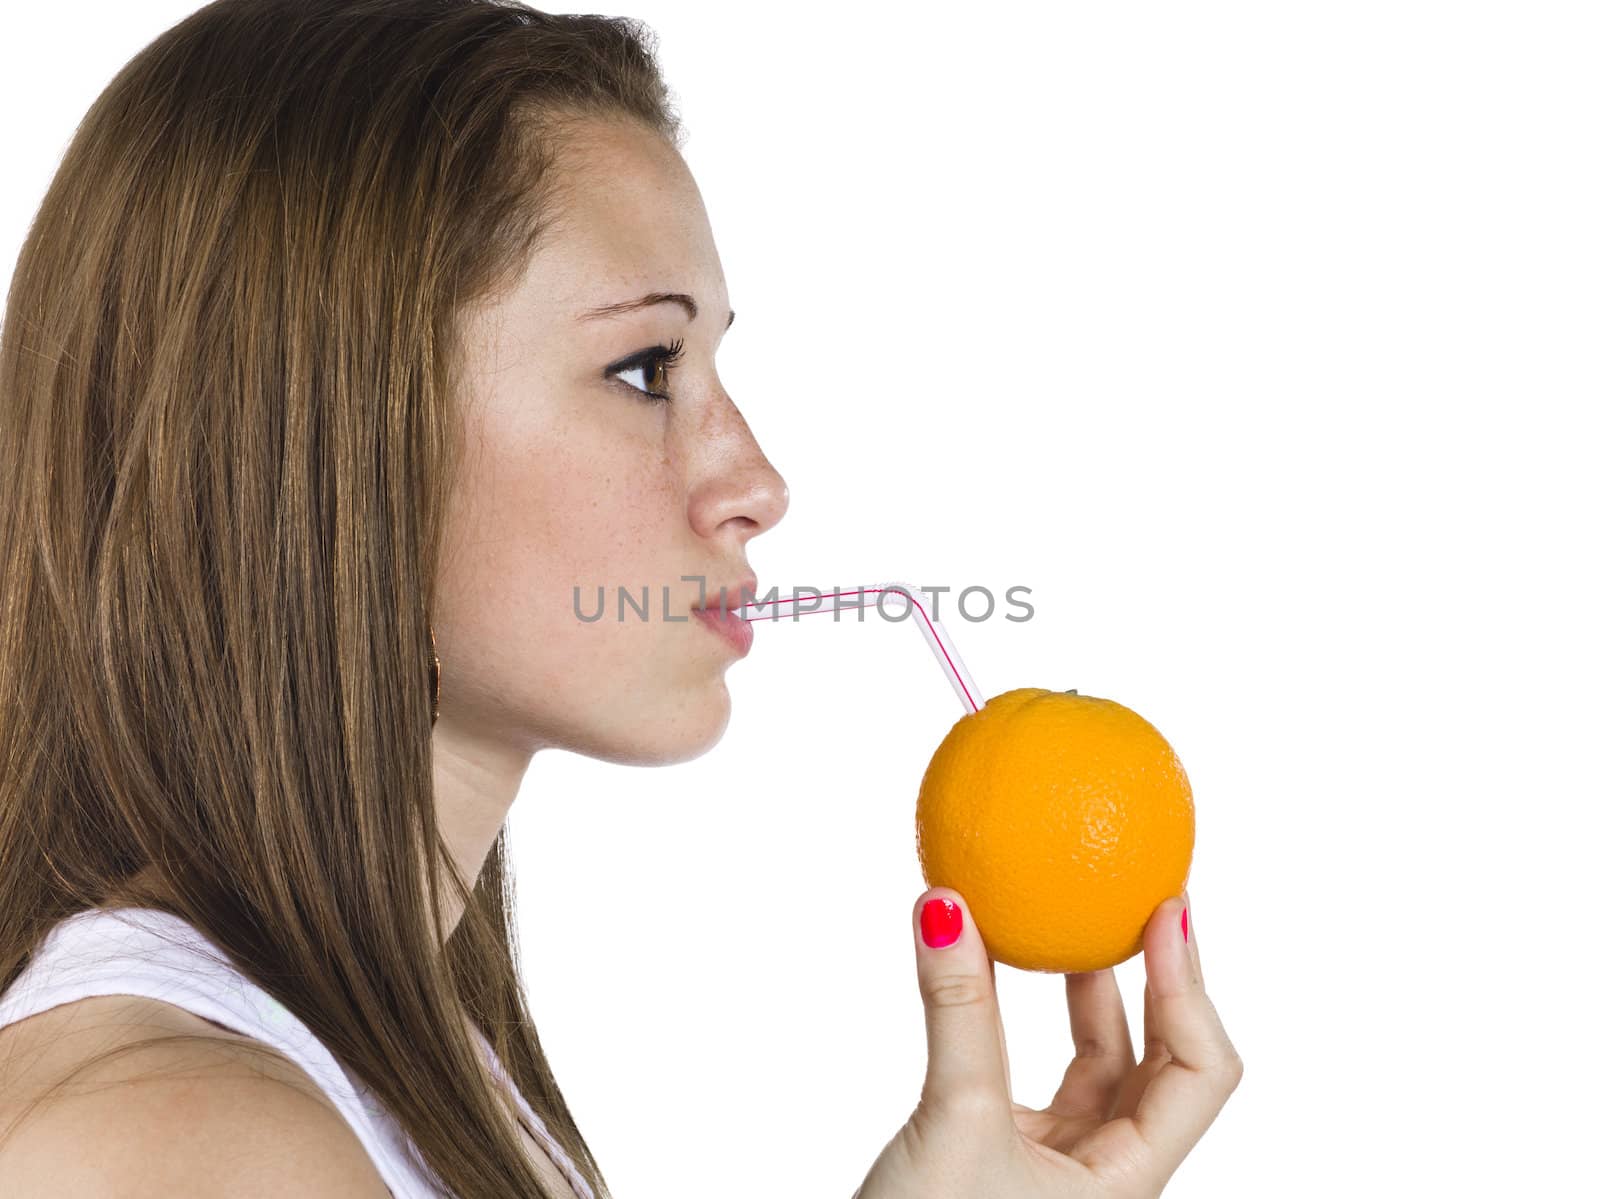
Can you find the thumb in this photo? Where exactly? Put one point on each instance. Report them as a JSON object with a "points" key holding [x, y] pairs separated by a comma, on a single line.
{"points": [[966, 1064]]}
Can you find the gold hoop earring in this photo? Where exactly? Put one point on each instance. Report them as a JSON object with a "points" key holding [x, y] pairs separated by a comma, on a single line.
{"points": [[433, 648]]}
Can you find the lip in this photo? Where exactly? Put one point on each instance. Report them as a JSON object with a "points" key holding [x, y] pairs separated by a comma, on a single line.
{"points": [[738, 595], [735, 630]]}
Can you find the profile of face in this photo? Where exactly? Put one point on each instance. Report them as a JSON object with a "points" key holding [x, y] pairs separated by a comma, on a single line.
{"points": [[576, 478]]}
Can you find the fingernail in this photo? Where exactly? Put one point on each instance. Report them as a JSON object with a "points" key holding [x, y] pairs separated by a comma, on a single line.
{"points": [[941, 923], [1185, 926]]}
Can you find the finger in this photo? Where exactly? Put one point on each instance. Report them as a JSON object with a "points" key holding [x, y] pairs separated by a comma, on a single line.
{"points": [[1155, 1056], [1188, 931], [1155, 1049], [1000, 1026], [967, 1072], [1183, 1094], [1102, 1046]]}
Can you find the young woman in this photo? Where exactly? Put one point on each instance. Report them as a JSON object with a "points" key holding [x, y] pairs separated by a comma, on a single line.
{"points": [[349, 339]]}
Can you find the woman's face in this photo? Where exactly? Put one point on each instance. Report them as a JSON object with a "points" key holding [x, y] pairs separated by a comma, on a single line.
{"points": [[574, 478]]}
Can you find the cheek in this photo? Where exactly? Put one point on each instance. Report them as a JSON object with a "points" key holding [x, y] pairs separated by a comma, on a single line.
{"points": [[592, 511], [585, 507]]}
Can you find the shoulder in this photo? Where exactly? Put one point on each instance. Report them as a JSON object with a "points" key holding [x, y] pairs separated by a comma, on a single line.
{"points": [[203, 1116]]}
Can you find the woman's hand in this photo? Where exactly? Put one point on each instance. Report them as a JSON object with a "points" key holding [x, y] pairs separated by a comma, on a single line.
{"points": [[1116, 1128]]}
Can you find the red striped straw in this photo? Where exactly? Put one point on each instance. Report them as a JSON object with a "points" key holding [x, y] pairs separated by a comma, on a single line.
{"points": [[944, 651]]}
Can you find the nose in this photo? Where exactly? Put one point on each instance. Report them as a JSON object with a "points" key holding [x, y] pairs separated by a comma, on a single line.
{"points": [[740, 488]]}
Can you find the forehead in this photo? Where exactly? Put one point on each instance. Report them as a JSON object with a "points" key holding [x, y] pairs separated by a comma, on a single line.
{"points": [[627, 214]]}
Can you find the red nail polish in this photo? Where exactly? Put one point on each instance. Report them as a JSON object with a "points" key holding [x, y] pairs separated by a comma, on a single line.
{"points": [[1185, 926], [941, 922]]}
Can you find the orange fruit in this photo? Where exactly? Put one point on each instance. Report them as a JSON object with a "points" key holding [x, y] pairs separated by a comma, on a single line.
{"points": [[1064, 820]]}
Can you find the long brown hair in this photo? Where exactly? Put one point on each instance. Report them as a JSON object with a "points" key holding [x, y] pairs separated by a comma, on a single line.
{"points": [[227, 430]]}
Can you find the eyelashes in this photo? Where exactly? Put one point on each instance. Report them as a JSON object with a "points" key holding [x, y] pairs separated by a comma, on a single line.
{"points": [[656, 358]]}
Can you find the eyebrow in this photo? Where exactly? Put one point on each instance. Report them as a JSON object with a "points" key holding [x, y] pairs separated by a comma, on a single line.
{"points": [[655, 297]]}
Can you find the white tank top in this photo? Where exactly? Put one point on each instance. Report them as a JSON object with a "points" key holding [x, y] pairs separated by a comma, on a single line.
{"points": [[154, 954]]}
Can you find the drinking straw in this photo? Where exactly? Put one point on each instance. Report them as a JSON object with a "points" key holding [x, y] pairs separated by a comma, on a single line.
{"points": [[944, 650]]}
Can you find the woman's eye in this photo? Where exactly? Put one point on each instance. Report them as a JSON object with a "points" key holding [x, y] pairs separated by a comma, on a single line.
{"points": [[653, 365]]}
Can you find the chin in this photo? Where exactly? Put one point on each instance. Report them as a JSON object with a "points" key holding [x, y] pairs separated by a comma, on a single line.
{"points": [[679, 733]]}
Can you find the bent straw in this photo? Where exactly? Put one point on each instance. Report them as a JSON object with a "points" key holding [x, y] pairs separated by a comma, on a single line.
{"points": [[944, 650]]}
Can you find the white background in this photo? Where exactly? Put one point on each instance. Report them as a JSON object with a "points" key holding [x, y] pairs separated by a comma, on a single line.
{"points": [[1259, 341]]}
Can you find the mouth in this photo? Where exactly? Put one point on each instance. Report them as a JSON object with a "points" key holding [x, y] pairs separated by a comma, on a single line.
{"points": [[727, 598], [735, 630]]}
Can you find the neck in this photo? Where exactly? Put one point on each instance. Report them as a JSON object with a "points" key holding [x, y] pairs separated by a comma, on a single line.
{"points": [[475, 781]]}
